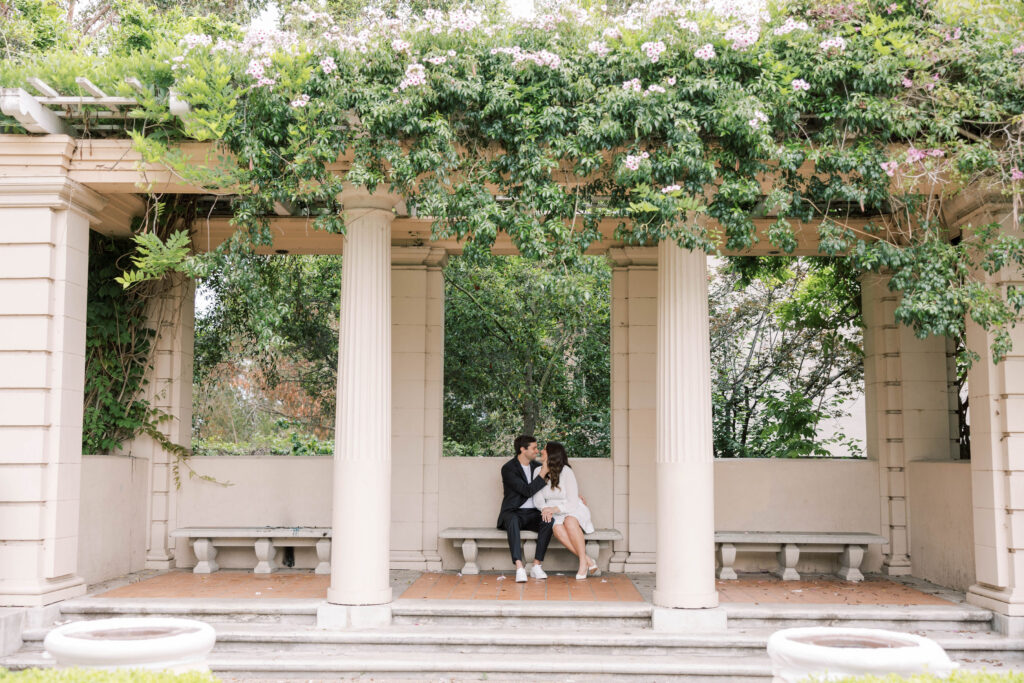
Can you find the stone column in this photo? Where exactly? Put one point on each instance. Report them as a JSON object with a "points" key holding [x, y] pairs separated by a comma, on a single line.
{"points": [[417, 302], [907, 401], [44, 242], [684, 446], [360, 591], [634, 318], [996, 395], [169, 389]]}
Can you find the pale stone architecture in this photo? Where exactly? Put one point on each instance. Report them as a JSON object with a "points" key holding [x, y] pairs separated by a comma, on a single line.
{"points": [[388, 492]]}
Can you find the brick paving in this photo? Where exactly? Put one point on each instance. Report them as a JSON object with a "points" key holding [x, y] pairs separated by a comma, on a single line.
{"points": [[750, 588]]}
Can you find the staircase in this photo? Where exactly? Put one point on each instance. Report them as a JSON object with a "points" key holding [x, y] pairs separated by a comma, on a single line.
{"points": [[271, 639]]}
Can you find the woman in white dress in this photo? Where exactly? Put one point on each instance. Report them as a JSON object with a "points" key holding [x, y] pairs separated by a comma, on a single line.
{"points": [[560, 502]]}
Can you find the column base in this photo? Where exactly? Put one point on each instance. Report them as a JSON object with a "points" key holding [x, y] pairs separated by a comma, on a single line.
{"points": [[640, 563], [896, 569], [1006, 603], [672, 620], [359, 598], [685, 601], [41, 592], [330, 616]]}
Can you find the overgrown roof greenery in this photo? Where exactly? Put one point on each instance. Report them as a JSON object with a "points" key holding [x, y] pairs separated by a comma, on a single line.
{"points": [[658, 117]]}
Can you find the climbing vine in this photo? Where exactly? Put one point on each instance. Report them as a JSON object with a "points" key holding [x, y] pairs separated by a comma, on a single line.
{"points": [[655, 120]]}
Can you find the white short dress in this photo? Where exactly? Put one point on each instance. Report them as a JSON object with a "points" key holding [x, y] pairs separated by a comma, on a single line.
{"points": [[566, 498]]}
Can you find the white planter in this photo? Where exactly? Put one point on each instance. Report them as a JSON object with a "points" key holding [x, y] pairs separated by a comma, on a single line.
{"points": [[154, 643], [828, 654]]}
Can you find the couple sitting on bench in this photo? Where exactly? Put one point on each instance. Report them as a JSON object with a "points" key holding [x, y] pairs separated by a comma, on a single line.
{"points": [[543, 496]]}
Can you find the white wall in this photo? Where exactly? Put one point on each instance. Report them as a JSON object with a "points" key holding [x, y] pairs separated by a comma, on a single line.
{"points": [[942, 523], [112, 517], [798, 495], [755, 495]]}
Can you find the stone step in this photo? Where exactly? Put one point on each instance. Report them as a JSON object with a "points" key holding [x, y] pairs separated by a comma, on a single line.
{"points": [[214, 611], [910, 618], [525, 614], [521, 664], [306, 640]]}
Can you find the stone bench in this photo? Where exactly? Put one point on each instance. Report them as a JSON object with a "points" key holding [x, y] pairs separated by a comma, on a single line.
{"points": [[263, 539], [787, 546], [471, 539]]}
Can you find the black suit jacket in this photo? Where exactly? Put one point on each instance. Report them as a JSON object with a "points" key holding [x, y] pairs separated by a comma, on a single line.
{"points": [[515, 486]]}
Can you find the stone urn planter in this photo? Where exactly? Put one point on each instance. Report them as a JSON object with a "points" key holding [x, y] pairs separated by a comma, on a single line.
{"points": [[827, 654], [153, 643]]}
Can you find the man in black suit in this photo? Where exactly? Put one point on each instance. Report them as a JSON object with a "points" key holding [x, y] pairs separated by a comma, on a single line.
{"points": [[517, 509]]}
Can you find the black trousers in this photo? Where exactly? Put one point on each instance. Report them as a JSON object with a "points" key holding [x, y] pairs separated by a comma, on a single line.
{"points": [[528, 519]]}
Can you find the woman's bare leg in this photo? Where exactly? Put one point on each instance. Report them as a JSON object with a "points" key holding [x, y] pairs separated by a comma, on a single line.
{"points": [[562, 535], [572, 526]]}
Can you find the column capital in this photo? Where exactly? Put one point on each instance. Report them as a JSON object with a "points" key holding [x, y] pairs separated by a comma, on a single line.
{"points": [[358, 198], [53, 192], [977, 206], [622, 257], [431, 257]]}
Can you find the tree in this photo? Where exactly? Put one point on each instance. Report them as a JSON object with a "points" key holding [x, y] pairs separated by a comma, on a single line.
{"points": [[527, 352], [786, 353]]}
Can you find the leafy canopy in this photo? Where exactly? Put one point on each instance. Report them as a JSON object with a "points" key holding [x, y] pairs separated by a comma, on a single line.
{"points": [[655, 120]]}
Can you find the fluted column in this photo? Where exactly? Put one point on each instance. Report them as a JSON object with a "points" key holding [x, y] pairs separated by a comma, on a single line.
{"points": [[684, 448], [362, 443]]}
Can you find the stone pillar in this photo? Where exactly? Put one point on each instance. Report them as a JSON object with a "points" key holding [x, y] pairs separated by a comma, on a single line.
{"points": [[360, 591], [906, 385], [996, 399], [417, 366], [169, 389], [44, 243], [684, 449], [634, 318]]}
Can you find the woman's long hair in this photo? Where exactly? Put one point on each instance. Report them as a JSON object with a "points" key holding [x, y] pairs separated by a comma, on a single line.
{"points": [[557, 459]]}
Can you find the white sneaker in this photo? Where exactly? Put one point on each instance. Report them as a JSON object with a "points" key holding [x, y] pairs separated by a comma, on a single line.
{"points": [[520, 574], [537, 572]]}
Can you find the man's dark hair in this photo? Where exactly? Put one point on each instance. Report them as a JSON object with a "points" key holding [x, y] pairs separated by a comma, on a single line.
{"points": [[523, 441]]}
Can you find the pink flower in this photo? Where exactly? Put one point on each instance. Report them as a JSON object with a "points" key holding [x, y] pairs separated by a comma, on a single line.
{"points": [[690, 26], [759, 118], [907, 83], [300, 101], [670, 188], [654, 88], [599, 48], [399, 45], [436, 60], [790, 26], [328, 65], [632, 84], [837, 44], [671, 80], [1016, 174], [800, 84], [891, 8], [705, 52], [653, 50], [1019, 49], [632, 161], [612, 33], [890, 167], [914, 154], [954, 35], [415, 74]]}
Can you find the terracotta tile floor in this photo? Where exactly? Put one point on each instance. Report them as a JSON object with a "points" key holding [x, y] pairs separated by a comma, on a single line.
{"points": [[871, 591], [608, 588], [226, 584], [753, 588]]}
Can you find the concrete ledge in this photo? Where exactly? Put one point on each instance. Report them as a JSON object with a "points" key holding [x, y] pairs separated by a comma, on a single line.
{"points": [[331, 616], [669, 620]]}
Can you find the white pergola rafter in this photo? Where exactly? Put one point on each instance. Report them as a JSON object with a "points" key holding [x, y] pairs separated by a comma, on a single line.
{"points": [[51, 112]]}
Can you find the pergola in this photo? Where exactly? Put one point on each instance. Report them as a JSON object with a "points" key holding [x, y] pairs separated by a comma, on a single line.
{"points": [[55, 188]]}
